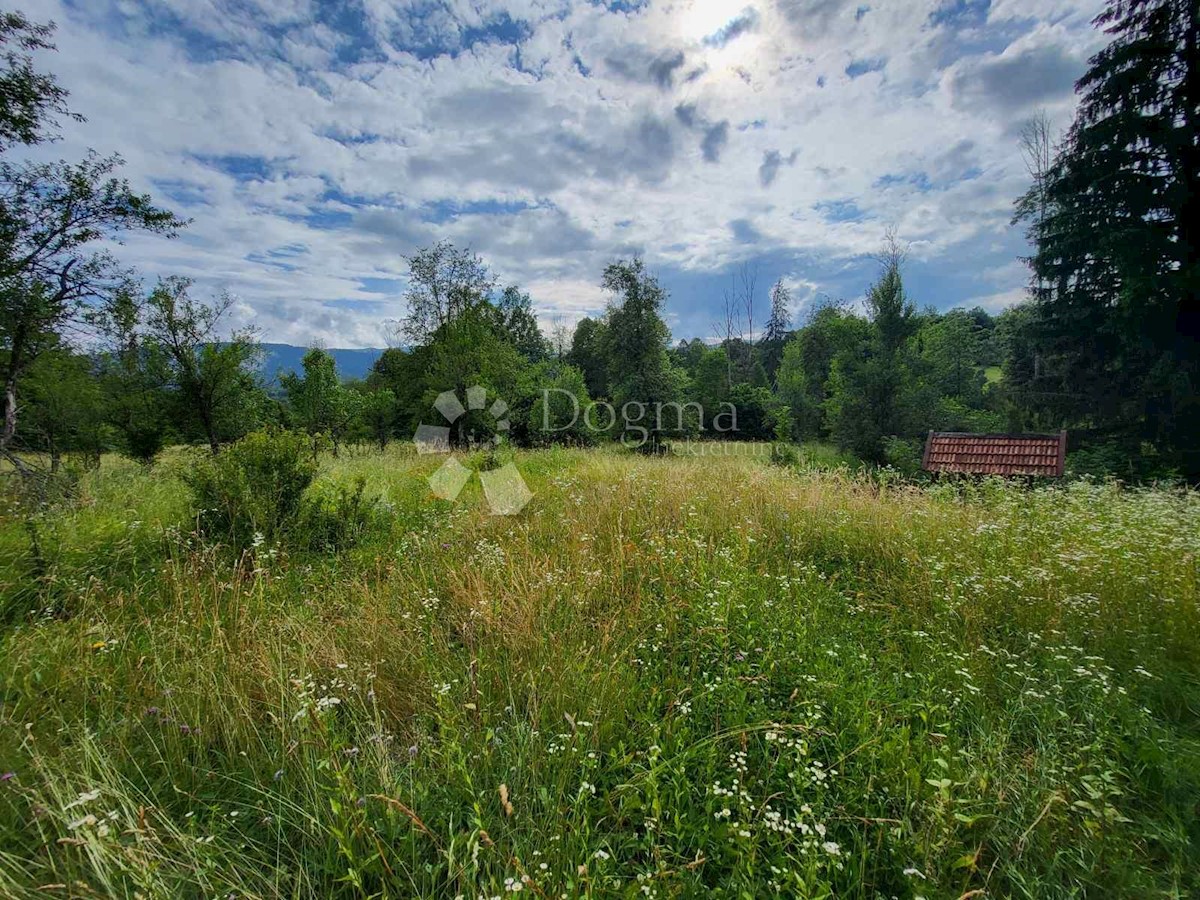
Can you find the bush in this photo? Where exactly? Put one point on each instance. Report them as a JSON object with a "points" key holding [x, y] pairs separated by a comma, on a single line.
{"points": [[338, 516], [1114, 459], [784, 454], [144, 441], [903, 455], [254, 490]]}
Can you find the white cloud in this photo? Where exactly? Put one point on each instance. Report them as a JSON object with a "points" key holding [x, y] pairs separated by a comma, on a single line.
{"points": [[354, 151]]}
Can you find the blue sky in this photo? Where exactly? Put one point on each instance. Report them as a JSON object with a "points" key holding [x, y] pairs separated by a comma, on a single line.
{"points": [[315, 143]]}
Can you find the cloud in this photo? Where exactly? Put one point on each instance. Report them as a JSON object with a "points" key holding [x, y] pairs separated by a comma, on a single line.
{"points": [[773, 160], [743, 24], [816, 18], [641, 64], [314, 145], [1017, 80], [715, 139]]}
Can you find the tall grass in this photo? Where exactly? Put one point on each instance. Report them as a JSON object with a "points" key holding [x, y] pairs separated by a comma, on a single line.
{"points": [[667, 677]]}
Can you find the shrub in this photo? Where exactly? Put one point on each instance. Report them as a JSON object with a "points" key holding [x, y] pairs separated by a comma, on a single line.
{"points": [[338, 516], [784, 454], [1113, 459], [254, 490], [143, 441], [903, 455]]}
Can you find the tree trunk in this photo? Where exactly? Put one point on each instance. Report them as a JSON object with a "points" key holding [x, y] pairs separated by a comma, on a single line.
{"points": [[210, 430], [10, 411]]}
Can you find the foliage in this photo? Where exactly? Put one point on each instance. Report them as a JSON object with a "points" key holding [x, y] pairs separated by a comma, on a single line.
{"points": [[588, 354], [755, 412], [469, 352], [1105, 460], [807, 365], [560, 404], [30, 101], [516, 323], [252, 493], [903, 455], [1113, 218], [403, 372], [318, 400], [215, 380], [951, 348], [780, 321], [338, 516], [66, 407], [378, 412], [639, 370], [444, 282]]}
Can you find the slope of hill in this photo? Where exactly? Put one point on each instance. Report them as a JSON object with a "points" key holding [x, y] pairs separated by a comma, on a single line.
{"points": [[281, 358]]}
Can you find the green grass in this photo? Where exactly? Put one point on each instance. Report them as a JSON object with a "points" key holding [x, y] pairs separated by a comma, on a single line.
{"points": [[667, 677]]}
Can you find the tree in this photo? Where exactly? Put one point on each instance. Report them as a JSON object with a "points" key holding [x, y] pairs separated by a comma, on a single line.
{"points": [[1116, 227], [403, 372], [215, 380], [779, 326], [378, 413], [319, 401], [756, 408], [870, 387], [516, 322], [560, 338], [53, 216], [30, 101], [888, 307], [742, 354], [444, 282], [807, 364], [710, 385], [560, 397], [639, 369], [588, 349], [65, 408], [780, 321], [951, 349], [468, 352], [135, 376]]}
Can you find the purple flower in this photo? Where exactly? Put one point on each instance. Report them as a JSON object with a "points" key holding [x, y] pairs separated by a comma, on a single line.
{"points": [[152, 710], [8, 776]]}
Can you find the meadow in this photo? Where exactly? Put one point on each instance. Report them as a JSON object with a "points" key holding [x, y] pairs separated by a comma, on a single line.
{"points": [[667, 677]]}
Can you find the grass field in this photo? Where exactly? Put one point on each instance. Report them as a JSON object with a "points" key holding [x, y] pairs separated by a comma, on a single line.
{"points": [[666, 678]]}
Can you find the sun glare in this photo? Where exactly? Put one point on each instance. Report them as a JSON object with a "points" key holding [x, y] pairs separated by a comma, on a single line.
{"points": [[703, 18]]}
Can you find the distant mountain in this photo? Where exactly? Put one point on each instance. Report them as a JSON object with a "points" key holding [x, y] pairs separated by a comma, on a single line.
{"points": [[283, 358]]}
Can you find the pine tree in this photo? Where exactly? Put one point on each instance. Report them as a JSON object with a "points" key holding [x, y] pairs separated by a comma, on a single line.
{"points": [[871, 387], [780, 322], [1116, 233]]}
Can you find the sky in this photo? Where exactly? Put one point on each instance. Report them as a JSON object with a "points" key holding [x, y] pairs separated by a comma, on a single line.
{"points": [[314, 144]]}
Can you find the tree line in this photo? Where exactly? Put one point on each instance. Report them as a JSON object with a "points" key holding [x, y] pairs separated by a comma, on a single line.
{"points": [[1105, 344]]}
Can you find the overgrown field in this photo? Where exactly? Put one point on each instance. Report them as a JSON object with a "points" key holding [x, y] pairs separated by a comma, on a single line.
{"points": [[666, 678]]}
